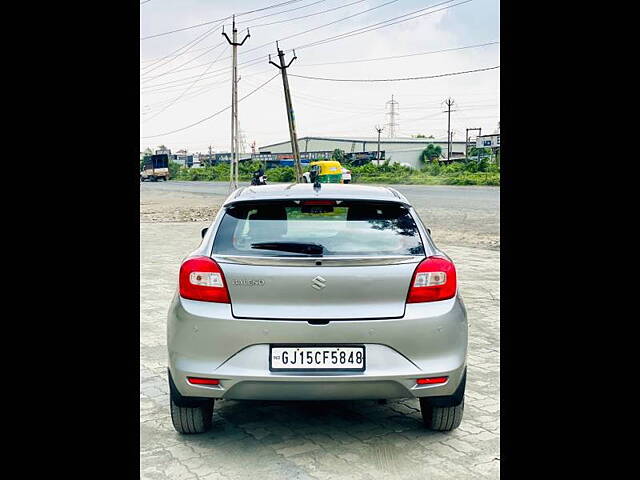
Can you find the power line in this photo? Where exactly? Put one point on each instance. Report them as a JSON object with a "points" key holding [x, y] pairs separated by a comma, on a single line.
{"points": [[259, 59], [184, 92], [258, 18], [223, 19], [186, 46], [380, 25], [282, 21], [213, 115], [358, 31], [185, 63], [324, 25], [307, 16], [395, 79], [401, 56]]}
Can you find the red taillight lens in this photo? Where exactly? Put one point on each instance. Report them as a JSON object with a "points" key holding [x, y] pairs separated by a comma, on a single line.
{"points": [[203, 381], [202, 279], [434, 279], [431, 381]]}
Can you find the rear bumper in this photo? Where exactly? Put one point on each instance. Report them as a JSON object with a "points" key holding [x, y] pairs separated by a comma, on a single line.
{"points": [[204, 340]]}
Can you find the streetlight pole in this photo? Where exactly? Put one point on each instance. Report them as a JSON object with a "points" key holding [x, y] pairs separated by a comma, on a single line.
{"points": [[379, 129]]}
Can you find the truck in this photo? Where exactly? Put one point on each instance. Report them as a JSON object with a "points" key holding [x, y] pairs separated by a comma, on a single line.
{"points": [[155, 167]]}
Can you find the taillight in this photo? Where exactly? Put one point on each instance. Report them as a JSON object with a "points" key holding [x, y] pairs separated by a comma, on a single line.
{"points": [[434, 279], [203, 381], [202, 279], [431, 380]]}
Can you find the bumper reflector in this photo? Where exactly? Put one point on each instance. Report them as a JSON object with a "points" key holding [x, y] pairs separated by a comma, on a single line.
{"points": [[431, 381], [203, 381]]}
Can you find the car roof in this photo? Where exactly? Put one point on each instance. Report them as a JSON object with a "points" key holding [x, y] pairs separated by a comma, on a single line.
{"points": [[302, 191], [324, 161]]}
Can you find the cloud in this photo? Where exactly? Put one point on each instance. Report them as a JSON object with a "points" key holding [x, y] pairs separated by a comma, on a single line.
{"points": [[323, 108]]}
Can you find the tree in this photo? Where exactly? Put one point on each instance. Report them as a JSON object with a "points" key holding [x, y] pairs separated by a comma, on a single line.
{"points": [[479, 153], [431, 154], [338, 155], [148, 151]]}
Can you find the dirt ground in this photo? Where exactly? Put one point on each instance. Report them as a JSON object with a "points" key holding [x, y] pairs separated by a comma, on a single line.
{"points": [[177, 207]]}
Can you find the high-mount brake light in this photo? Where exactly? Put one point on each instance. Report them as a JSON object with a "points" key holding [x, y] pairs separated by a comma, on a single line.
{"points": [[202, 279], [434, 279], [318, 202]]}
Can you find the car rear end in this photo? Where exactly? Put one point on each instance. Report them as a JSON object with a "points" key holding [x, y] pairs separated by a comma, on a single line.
{"points": [[317, 298]]}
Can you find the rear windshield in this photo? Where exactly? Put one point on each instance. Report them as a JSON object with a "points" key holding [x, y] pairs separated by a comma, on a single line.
{"points": [[305, 229]]}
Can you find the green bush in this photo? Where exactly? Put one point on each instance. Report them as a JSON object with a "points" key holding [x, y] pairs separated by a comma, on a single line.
{"points": [[174, 168], [456, 173], [281, 174], [217, 172]]}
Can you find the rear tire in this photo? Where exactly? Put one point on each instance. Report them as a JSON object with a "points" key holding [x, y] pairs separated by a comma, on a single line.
{"points": [[195, 419], [443, 419]]}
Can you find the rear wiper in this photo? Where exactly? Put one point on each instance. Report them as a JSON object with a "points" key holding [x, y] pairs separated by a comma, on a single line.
{"points": [[294, 247]]}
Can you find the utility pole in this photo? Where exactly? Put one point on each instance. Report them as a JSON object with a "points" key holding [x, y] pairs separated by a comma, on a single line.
{"points": [[233, 184], [378, 129], [449, 102], [290, 116], [210, 156]]}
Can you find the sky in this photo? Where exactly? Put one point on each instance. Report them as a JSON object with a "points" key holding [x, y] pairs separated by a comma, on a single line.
{"points": [[186, 76]]}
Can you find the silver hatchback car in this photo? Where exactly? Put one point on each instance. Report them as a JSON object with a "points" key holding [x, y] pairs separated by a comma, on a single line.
{"points": [[305, 293]]}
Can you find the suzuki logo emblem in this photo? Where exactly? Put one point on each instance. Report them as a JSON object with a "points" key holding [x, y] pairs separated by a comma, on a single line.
{"points": [[318, 283]]}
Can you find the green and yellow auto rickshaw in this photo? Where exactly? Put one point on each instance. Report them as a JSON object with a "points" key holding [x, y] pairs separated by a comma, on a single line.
{"points": [[329, 171]]}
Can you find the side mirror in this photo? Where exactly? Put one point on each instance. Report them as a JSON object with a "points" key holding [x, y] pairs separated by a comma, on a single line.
{"points": [[204, 231], [428, 231]]}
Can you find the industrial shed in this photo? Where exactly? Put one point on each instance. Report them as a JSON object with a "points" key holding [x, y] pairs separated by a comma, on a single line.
{"points": [[399, 150]]}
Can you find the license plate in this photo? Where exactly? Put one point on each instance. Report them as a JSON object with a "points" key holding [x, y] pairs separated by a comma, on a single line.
{"points": [[317, 358]]}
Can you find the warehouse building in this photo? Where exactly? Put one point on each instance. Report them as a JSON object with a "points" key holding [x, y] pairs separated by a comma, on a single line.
{"points": [[399, 150]]}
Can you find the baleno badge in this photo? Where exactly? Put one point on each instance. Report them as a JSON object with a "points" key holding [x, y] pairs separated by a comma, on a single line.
{"points": [[248, 283]]}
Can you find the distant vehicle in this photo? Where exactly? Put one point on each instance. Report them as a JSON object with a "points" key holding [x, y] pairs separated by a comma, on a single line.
{"points": [[330, 171], [155, 167], [259, 178], [346, 175]]}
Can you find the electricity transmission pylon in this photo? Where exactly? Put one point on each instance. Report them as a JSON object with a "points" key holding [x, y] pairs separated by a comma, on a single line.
{"points": [[393, 108]]}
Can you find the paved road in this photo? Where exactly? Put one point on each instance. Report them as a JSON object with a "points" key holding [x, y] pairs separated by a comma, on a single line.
{"points": [[312, 440], [457, 215], [482, 199]]}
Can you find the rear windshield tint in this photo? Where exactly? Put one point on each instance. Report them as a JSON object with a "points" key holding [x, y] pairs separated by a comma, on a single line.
{"points": [[302, 229]]}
